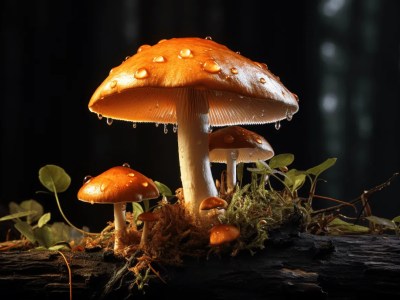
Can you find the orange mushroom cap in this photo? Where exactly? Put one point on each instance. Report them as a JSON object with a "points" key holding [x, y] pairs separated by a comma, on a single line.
{"points": [[213, 202], [252, 146], [239, 91], [148, 216], [223, 233], [118, 184]]}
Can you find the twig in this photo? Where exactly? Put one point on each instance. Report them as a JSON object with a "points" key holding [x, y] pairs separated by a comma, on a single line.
{"points": [[157, 274], [363, 196], [69, 274], [335, 200]]}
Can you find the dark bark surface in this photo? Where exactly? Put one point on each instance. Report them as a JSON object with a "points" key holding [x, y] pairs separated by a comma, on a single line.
{"points": [[319, 267]]}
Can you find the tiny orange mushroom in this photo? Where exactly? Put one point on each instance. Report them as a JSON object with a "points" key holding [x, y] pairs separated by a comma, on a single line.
{"points": [[223, 233], [146, 218], [213, 202]]}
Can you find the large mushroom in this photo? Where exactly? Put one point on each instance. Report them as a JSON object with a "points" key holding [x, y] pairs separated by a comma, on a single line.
{"points": [[193, 83], [235, 144], [118, 185]]}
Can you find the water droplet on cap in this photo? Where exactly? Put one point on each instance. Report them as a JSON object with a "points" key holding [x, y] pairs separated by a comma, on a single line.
{"points": [[258, 140], [109, 121], [126, 165], [261, 65], [134, 125], [211, 66], [208, 38], [99, 116], [143, 47], [141, 73], [87, 178], [277, 125], [113, 84], [175, 128], [131, 174], [185, 53], [234, 71], [289, 115], [165, 129], [145, 184], [262, 80], [159, 59]]}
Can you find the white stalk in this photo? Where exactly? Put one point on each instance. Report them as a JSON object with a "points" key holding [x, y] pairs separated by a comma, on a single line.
{"points": [[231, 157], [119, 226], [193, 127]]}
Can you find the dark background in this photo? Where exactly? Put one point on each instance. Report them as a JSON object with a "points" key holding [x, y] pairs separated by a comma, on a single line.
{"points": [[341, 57]]}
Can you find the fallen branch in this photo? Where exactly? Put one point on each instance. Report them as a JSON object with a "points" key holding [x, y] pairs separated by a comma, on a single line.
{"points": [[291, 265]]}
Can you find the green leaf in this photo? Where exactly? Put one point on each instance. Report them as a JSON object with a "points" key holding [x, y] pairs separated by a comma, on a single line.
{"points": [[44, 236], [26, 230], [294, 179], [59, 247], [137, 209], [44, 219], [32, 205], [61, 232], [17, 215], [263, 168], [317, 170], [163, 189], [54, 178], [281, 160], [258, 171], [27, 206], [339, 226], [382, 221], [396, 219], [14, 208], [298, 182]]}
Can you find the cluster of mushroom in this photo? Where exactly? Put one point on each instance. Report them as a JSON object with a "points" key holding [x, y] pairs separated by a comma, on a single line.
{"points": [[194, 84], [120, 185]]}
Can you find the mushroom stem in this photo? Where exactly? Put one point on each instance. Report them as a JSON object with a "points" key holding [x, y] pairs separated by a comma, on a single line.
{"points": [[119, 225], [193, 130], [145, 233], [231, 169]]}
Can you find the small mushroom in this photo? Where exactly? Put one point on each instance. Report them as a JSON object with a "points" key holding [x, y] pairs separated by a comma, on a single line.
{"points": [[214, 204], [117, 186], [235, 144], [193, 83], [223, 234], [146, 218]]}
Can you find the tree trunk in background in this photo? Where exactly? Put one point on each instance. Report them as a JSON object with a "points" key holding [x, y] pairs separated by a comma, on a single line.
{"points": [[320, 267]]}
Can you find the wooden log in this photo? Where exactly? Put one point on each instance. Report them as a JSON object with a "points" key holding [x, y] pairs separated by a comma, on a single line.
{"points": [[291, 265]]}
